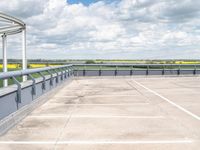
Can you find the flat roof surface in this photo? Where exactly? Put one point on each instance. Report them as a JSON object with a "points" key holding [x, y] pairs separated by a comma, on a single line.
{"points": [[114, 113]]}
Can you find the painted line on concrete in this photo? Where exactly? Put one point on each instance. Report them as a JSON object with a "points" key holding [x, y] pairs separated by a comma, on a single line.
{"points": [[96, 142], [127, 104], [169, 101], [96, 95], [171, 77], [96, 116]]}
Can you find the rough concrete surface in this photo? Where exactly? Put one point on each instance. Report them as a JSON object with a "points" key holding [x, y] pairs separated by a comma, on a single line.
{"points": [[114, 113]]}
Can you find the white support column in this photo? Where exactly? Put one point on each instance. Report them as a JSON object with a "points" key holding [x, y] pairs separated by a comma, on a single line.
{"points": [[4, 46], [24, 60]]}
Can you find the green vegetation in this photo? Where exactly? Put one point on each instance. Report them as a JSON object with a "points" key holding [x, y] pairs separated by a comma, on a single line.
{"points": [[102, 61], [90, 62]]}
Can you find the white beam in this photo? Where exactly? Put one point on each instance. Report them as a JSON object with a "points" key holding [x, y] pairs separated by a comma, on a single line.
{"points": [[4, 46], [12, 19], [24, 60], [6, 29]]}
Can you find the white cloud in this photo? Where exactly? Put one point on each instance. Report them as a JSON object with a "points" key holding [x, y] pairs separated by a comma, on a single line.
{"points": [[130, 29]]}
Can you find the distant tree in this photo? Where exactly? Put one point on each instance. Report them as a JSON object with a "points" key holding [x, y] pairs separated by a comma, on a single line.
{"points": [[28, 66], [90, 62], [20, 65], [47, 64]]}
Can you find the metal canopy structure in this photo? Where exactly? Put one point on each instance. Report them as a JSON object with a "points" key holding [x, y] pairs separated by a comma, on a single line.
{"points": [[8, 26]]}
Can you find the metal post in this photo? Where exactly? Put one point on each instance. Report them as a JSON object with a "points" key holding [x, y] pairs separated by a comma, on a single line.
{"points": [[131, 70], [19, 90], [33, 84], [84, 70], [116, 68], [44, 81], [179, 69], [147, 71], [51, 79], [195, 70], [163, 71], [100, 70], [4, 45], [24, 60]]}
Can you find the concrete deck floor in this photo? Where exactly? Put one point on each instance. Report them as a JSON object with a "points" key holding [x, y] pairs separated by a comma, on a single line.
{"points": [[116, 113]]}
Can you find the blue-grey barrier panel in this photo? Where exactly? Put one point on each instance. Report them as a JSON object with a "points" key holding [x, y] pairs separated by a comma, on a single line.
{"points": [[139, 72], [171, 72], [187, 72], [135, 72], [155, 72], [123, 72], [78, 72], [9, 104], [91, 73], [108, 73], [197, 71]]}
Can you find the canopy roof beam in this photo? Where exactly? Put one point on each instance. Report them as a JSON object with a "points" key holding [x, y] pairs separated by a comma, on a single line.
{"points": [[12, 25]]}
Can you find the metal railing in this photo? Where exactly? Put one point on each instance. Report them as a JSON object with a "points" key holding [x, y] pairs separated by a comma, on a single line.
{"points": [[139, 65], [26, 94], [54, 72], [27, 72], [134, 69]]}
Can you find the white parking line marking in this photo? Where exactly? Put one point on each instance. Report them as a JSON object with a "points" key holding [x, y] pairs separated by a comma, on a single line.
{"points": [[96, 116], [96, 142], [120, 104], [96, 95], [169, 101]]}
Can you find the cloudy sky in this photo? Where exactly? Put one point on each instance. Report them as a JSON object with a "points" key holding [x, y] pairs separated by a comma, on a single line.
{"points": [[109, 29]]}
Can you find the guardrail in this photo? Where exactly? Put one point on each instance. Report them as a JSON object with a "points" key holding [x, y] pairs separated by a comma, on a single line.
{"points": [[21, 94], [17, 100], [134, 69]]}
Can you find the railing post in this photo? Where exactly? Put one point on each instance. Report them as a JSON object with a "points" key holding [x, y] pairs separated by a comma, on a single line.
{"points": [[171, 70], [61, 73], [33, 84], [65, 75], [68, 72], [100, 70], [116, 70], [19, 89], [163, 71], [51, 78], [44, 81], [147, 71], [195, 70], [84, 70], [179, 70], [131, 70], [71, 71], [57, 75], [77, 69]]}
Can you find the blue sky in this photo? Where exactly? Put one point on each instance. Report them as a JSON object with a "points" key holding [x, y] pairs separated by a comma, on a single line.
{"points": [[88, 2], [107, 29], [85, 2]]}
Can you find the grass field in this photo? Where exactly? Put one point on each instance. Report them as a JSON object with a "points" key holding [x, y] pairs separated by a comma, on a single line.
{"points": [[149, 61], [99, 61]]}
